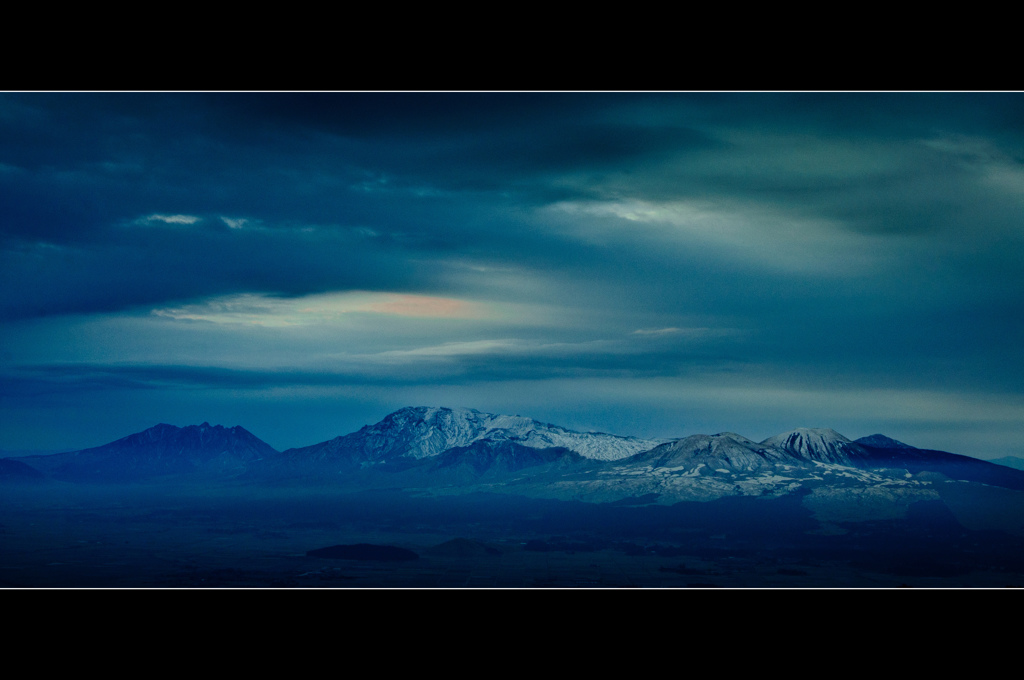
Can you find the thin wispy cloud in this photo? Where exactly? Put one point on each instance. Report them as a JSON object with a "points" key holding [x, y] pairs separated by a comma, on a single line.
{"points": [[169, 219], [263, 310], [235, 222], [760, 234]]}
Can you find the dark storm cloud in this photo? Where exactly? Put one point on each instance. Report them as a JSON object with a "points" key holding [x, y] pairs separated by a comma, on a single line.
{"points": [[342, 163], [77, 162], [79, 168], [153, 265]]}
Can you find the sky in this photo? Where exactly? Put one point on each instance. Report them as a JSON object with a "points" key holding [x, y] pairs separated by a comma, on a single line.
{"points": [[648, 264]]}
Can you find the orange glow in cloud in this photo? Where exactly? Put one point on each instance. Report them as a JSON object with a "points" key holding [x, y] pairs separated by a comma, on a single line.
{"points": [[261, 310], [422, 305]]}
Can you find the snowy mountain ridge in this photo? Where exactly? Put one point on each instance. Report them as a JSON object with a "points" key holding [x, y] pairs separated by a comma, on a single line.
{"points": [[424, 432]]}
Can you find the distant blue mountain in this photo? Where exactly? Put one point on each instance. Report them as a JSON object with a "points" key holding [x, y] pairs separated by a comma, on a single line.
{"points": [[17, 471], [162, 450], [889, 453], [880, 441], [1010, 461]]}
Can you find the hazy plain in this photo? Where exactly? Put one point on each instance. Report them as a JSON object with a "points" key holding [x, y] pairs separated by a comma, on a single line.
{"points": [[239, 536]]}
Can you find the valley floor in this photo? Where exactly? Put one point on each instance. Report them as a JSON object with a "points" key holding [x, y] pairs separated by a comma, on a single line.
{"points": [[163, 537]]}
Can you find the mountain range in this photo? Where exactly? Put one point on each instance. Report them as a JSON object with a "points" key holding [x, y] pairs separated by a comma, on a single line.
{"points": [[460, 448]]}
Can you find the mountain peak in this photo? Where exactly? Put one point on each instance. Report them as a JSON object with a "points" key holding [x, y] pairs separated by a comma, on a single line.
{"points": [[823, 445], [726, 450], [826, 433], [161, 450], [880, 441]]}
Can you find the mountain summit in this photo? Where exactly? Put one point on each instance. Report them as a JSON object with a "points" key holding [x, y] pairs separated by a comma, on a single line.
{"points": [[160, 450], [823, 445], [727, 450]]}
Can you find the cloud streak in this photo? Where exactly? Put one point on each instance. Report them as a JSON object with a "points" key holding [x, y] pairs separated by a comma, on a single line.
{"points": [[263, 310], [170, 219]]}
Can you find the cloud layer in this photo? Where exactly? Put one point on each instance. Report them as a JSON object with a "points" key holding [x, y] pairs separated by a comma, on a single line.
{"points": [[342, 255]]}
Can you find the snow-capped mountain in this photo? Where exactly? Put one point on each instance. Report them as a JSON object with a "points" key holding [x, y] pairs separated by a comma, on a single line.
{"points": [[424, 432], [733, 452], [704, 467], [823, 445], [727, 451]]}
